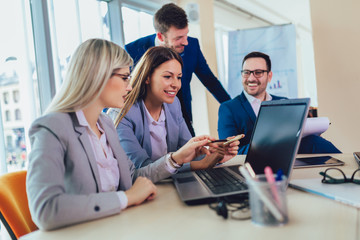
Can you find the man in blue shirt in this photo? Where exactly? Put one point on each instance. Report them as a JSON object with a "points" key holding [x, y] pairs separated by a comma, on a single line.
{"points": [[239, 114], [171, 25]]}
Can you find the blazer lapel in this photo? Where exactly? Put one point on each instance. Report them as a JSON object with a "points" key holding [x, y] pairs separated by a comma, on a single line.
{"points": [[247, 107], [125, 179], [112, 139], [146, 143], [172, 130], [85, 142]]}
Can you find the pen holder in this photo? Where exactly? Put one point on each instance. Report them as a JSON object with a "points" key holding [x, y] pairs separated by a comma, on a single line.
{"points": [[268, 201]]}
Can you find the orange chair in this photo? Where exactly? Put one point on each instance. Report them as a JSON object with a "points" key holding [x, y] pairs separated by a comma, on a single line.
{"points": [[14, 209]]}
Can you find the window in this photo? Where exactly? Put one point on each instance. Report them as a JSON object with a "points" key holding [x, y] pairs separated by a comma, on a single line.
{"points": [[9, 142], [78, 21], [17, 114], [16, 96], [6, 97], [7, 116], [137, 24], [70, 23], [222, 49], [17, 74]]}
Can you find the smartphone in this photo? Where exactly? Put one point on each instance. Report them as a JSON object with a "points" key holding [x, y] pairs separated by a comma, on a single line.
{"points": [[357, 157], [321, 161]]}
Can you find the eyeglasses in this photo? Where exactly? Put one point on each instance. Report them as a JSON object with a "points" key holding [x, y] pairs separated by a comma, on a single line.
{"points": [[125, 77], [335, 176], [257, 73]]}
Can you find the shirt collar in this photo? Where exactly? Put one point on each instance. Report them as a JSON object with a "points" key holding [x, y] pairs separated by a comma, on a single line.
{"points": [[151, 119], [83, 122], [81, 118], [156, 41], [252, 98]]}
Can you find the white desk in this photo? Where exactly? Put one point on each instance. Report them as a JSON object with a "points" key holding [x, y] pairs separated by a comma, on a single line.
{"points": [[166, 217]]}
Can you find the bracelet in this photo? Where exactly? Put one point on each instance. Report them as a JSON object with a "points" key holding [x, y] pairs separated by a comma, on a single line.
{"points": [[172, 161]]}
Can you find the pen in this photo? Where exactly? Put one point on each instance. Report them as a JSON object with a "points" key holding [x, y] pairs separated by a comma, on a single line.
{"points": [[271, 180], [250, 169], [219, 140], [264, 198], [279, 175]]}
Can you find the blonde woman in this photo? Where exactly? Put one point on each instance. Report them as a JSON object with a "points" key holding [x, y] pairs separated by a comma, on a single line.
{"points": [[154, 126], [77, 169]]}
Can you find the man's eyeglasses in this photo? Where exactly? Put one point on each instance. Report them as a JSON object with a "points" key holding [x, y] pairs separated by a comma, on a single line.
{"points": [[125, 77], [335, 176], [257, 73]]}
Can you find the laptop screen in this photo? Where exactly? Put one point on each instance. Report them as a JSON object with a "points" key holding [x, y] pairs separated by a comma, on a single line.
{"points": [[276, 135]]}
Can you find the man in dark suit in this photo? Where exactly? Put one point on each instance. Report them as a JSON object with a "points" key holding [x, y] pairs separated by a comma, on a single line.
{"points": [[239, 114], [171, 25]]}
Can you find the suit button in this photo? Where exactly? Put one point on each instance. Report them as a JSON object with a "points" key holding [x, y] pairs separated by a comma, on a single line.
{"points": [[97, 208]]}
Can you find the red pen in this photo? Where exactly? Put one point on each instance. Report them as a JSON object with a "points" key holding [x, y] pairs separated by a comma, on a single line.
{"points": [[271, 180]]}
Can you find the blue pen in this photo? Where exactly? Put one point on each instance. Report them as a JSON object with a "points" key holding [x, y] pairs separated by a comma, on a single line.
{"points": [[279, 175]]}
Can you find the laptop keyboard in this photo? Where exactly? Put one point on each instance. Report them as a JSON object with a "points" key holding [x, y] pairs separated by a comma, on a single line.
{"points": [[219, 180]]}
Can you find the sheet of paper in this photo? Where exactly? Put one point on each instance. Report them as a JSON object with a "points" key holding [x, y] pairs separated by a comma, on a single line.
{"points": [[316, 126]]}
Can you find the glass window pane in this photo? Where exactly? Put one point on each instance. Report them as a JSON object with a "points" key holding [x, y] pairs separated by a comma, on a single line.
{"points": [[16, 96], [17, 114], [136, 24], [18, 83], [7, 116], [71, 23], [6, 97]]}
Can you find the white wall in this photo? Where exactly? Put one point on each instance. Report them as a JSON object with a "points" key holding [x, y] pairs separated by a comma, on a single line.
{"points": [[336, 42]]}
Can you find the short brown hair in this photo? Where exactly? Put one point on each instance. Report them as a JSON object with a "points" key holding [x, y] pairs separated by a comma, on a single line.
{"points": [[170, 15]]}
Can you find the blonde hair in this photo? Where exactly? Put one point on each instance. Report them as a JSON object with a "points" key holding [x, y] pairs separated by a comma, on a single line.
{"points": [[143, 70], [88, 72]]}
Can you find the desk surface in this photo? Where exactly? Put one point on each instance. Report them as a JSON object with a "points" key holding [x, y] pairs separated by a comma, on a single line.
{"points": [[310, 217]]}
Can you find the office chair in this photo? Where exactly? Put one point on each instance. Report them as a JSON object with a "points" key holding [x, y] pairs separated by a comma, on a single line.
{"points": [[14, 209]]}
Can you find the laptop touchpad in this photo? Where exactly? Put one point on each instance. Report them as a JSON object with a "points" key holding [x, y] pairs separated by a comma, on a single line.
{"points": [[186, 179]]}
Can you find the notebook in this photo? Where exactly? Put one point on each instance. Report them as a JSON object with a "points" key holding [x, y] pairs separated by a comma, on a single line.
{"points": [[348, 193], [274, 142]]}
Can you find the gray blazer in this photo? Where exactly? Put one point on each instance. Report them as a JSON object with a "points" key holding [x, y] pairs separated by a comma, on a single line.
{"points": [[134, 133], [63, 183]]}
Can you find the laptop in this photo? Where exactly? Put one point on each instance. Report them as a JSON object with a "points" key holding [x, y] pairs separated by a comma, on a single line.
{"points": [[274, 142]]}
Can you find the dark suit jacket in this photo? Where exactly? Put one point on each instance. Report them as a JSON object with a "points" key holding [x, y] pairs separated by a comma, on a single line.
{"points": [[194, 62], [237, 116]]}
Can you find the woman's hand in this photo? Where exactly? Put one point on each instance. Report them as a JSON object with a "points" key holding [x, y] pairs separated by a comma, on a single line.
{"points": [[142, 189], [230, 150], [208, 161], [193, 148]]}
